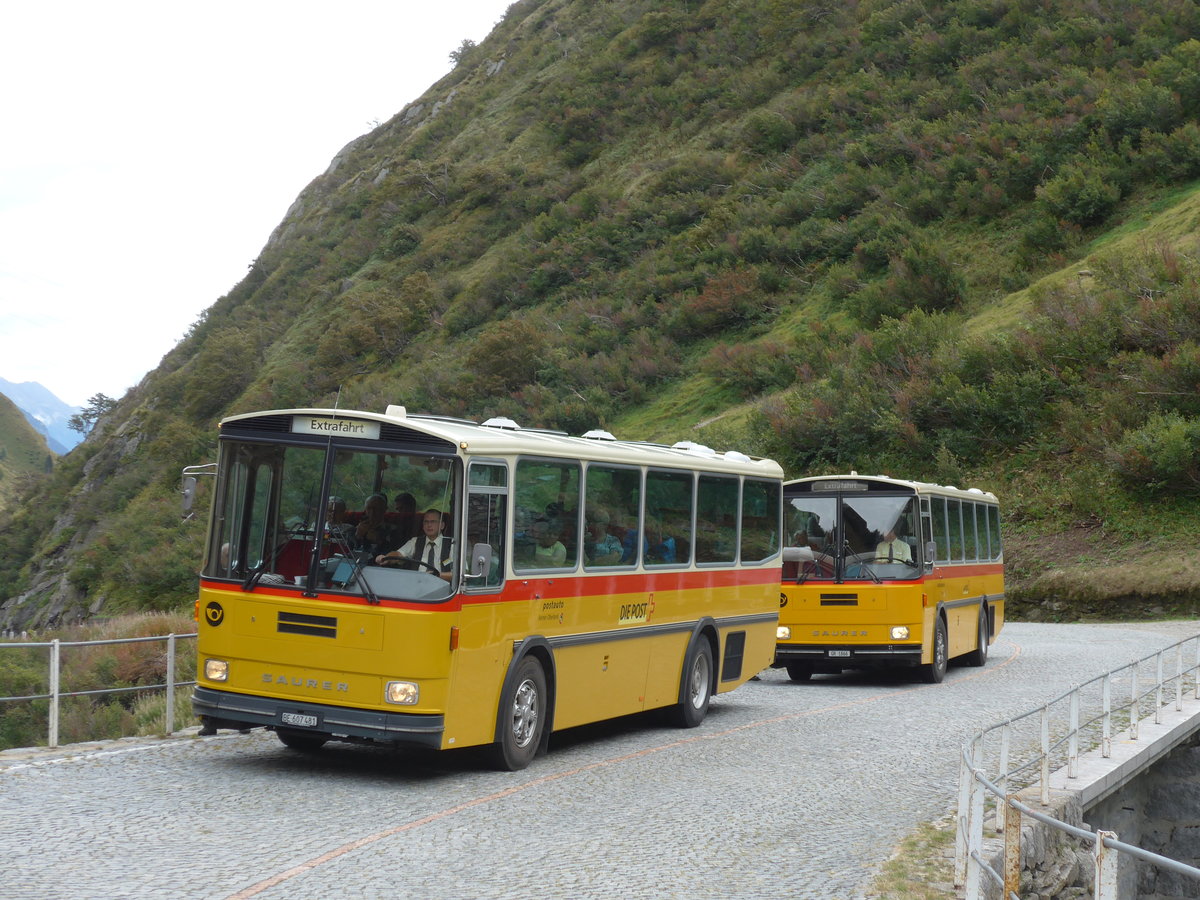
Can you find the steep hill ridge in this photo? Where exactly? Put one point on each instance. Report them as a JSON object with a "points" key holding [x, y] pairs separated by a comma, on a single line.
{"points": [[24, 454], [823, 233]]}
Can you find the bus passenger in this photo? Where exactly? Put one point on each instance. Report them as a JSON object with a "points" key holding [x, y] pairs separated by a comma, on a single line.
{"points": [[548, 550], [408, 522], [339, 528], [600, 548], [373, 533], [660, 547]]}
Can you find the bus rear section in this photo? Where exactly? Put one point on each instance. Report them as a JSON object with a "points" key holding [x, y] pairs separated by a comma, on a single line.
{"points": [[881, 573]]}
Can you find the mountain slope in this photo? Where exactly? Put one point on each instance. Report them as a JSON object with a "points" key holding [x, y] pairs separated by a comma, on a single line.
{"points": [[47, 414], [23, 452], [826, 233]]}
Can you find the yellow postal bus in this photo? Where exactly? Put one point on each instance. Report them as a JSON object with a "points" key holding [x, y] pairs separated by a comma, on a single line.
{"points": [[883, 572], [435, 582]]}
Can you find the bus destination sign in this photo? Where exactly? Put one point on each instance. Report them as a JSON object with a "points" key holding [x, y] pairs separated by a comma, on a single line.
{"points": [[335, 427]]}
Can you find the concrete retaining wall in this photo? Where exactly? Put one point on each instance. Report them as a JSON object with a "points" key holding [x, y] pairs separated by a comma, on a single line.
{"points": [[1147, 792]]}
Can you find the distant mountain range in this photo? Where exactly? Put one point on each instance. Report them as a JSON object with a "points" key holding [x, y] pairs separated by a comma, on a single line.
{"points": [[45, 412]]}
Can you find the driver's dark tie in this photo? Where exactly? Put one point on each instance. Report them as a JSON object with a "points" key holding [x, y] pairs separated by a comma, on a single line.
{"points": [[431, 550], [890, 549]]}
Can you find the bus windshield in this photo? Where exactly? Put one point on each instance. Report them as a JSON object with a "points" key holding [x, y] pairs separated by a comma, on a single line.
{"points": [[868, 537], [334, 519]]}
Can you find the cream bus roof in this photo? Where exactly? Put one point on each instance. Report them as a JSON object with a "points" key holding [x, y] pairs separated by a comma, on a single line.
{"points": [[503, 437], [920, 487]]}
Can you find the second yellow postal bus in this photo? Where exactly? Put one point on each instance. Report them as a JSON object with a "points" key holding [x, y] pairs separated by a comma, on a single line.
{"points": [[881, 572], [440, 583]]}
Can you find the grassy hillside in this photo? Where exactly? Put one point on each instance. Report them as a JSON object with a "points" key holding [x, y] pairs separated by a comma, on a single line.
{"points": [[24, 454], [948, 240]]}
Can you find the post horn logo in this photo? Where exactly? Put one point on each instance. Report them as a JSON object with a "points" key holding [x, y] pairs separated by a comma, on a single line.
{"points": [[214, 614]]}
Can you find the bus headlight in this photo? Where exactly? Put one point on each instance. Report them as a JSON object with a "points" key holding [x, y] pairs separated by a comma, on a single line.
{"points": [[783, 633], [216, 670], [402, 693], [900, 633]]}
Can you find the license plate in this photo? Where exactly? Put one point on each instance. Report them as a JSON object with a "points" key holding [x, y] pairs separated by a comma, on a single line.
{"points": [[839, 653], [299, 720]]}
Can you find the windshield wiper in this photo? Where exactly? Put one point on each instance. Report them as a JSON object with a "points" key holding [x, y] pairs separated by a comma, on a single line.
{"points": [[813, 566]]}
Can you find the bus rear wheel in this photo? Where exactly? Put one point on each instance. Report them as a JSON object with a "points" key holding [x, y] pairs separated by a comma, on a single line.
{"points": [[522, 717], [978, 656], [933, 672], [696, 686]]}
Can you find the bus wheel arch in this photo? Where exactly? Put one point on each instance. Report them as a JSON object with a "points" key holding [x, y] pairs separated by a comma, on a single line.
{"points": [[524, 718], [934, 671], [698, 677]]}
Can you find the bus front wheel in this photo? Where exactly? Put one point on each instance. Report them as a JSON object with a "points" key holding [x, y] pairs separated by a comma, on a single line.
{"points": [[696, 686], [933, 672], [522, 717], [799, 671], [300, 740]]}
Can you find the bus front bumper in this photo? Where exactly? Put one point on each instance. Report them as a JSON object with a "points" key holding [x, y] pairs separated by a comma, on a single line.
{"points": [[223, 709], [834, 657]]}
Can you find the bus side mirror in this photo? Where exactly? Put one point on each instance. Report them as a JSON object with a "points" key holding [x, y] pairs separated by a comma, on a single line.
{"points": [[930, 552], [189, 494], [797, 554], [189, 482], [481, 561]]}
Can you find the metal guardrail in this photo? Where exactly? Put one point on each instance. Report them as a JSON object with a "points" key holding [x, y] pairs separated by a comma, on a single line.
{"points": [[56, 693], [1059, 735]]}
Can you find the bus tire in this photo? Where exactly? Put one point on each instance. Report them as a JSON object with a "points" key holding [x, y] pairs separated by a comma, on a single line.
{"points": [[799, 671], [933, 672], [978, 656], [695, 686], [522, 717], [300, 740]]}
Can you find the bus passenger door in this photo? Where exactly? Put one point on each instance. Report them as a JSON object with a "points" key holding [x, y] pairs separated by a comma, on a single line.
{"points": [[480, 659]]}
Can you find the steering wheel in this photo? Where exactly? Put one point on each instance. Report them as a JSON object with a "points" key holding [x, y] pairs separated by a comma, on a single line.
{"points": [[393, 561]]}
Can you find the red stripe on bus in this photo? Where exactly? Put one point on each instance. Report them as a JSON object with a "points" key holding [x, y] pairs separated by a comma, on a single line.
{"points": [[546, 587]]}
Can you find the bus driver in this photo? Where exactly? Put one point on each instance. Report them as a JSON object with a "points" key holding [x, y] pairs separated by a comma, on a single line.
{"points": [[431, 547]]}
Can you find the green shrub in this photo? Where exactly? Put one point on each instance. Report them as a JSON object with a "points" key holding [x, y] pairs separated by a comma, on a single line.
{"points": [[749, 369], [1163, 456], [1083, 194]]}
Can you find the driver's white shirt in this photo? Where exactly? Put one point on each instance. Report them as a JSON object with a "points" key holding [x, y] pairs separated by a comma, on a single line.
{"points": [[443, 549], [896, 550]]}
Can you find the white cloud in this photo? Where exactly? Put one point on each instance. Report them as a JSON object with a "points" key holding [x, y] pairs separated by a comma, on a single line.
{"points": [[152, 147]]}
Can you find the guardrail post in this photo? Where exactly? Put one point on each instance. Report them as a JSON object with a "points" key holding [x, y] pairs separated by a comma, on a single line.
{"points": [[1106, 690], [54, 668], [1012, 849], [1158, 689], [1135, 706], [1106, 868], [1196, 677], [1073, 736], [1178, 677], [1045, 778], [170, 723], [1002, 780], [975, 842], [960, 831]]}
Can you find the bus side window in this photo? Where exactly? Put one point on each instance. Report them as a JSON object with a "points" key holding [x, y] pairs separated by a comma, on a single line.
{"points": [[941, 528], [547, 493], [996, 547]]}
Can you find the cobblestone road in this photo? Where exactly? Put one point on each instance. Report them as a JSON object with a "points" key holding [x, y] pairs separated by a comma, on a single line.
{"points": [[785, 790]]}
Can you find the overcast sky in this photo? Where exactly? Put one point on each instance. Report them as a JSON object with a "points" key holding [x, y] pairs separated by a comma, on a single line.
{"points": [[150, 148]]}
